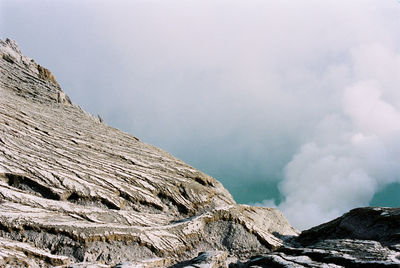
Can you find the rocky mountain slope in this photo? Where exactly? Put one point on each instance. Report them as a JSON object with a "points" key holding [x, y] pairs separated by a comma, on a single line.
{"points": [[76, 192]]}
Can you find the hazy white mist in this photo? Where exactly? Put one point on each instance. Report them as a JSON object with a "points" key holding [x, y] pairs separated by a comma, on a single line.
{"points": [[306, 93]]}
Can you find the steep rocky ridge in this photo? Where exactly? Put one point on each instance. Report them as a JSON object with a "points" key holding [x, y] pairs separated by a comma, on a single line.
{"points": [[85, 192], [76, 192]]}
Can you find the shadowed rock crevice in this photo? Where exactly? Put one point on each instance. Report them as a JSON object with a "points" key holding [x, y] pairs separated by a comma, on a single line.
{"points": [[135, 203], [8, 58], [92, 201], [203, 181], [170, 201], [29, 185]]}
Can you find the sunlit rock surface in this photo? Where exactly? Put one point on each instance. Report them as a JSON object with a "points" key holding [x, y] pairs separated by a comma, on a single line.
{"points": [[75, 192]]}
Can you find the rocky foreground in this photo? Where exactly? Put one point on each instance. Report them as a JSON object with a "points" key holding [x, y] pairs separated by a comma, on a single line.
{"points": [[76, 192]]}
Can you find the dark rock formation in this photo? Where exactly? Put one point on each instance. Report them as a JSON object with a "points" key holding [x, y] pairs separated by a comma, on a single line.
{"points": [[76, 192], [372, 223]]}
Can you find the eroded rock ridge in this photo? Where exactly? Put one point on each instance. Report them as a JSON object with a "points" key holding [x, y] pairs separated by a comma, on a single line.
{"points": [[75, 190]]}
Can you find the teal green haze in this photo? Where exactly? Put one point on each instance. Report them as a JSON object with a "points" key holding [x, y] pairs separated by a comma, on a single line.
{"points": [[388, 196]]}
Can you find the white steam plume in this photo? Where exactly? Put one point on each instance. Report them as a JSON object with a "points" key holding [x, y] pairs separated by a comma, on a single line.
{"points": [[353, 153]]}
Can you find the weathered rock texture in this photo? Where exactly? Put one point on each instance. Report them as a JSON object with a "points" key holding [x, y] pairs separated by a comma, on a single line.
{"points": [[82, 191], [76, 192]]}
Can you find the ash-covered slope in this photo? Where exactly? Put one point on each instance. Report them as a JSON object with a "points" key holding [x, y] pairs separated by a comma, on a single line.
{"points": [[73, 189]]}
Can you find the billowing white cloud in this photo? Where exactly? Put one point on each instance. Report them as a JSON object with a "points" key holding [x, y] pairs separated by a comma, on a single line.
{"points": [[334, 173]]}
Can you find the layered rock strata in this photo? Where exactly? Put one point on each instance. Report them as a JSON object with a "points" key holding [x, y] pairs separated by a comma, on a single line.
{"points": [[76, 188]]}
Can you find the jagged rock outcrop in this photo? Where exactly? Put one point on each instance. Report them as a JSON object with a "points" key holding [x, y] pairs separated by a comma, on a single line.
{"points": [[363, 237], [81, 191], [371, 223], [76, 192]]}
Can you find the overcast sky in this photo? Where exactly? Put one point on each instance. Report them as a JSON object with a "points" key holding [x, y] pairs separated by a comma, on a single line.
{"points": [[288, 103]]}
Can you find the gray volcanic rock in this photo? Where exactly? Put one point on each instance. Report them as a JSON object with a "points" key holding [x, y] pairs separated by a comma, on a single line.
{"points": [[370, 223], [74, 190], [363, 237]]}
